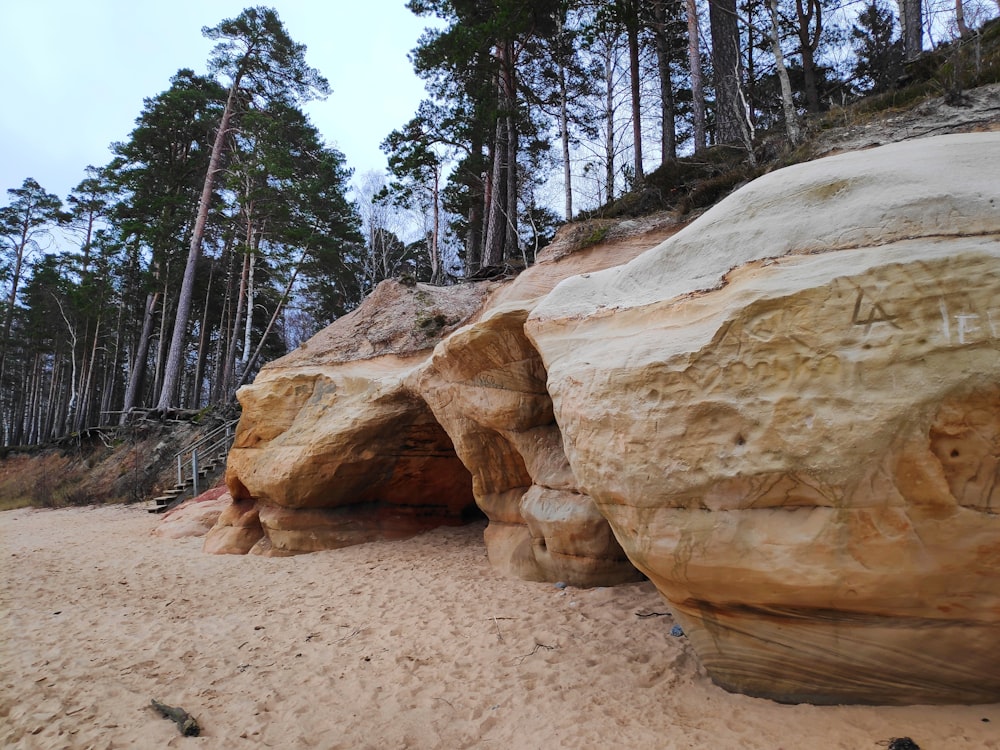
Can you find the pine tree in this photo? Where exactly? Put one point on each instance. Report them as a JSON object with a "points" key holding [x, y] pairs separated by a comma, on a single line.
{"points": [[262, 64], [25, 225], [479, 56], [879, 56], [157, 174]]}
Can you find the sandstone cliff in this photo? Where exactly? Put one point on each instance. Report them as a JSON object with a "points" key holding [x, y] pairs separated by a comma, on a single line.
{"points": [[333, 449], [369, 431], [790, 414], [786, 415]]}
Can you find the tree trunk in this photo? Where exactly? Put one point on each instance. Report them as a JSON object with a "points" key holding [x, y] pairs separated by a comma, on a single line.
{"points": [[496, 224], [809, 16], [50, 413], [12, 297], [85, 410], [474, 238], [791, 125], [216, 392], [564, 138], [511, 238], [229, 370], [963, 29], [609, 114], [668, 124], [161, 346], [67, 421], [251, 301], [199, 370], [138, 374], [175, 356], [729, 118], [499, 223], [34, 400], [632, 33], [911, 21], [19, 418], [244, 376], [109, 392], [437, 274], [697, 84], [478, 201]]}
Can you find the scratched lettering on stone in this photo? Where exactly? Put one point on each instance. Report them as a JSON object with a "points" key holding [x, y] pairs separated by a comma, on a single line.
{"points": [[968, 326], [876, 313]]}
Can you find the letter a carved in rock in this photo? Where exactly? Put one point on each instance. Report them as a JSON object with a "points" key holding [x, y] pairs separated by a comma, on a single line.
{"points": [[876, 314]]}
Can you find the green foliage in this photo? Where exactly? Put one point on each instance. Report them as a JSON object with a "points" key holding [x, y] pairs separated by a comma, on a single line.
{"points": [[539, 227], [87, 322], [598, 231], [946, 71], [25, 225], [157, 172], [879, 54], [431, 323], [478, 64], [256, 53]]}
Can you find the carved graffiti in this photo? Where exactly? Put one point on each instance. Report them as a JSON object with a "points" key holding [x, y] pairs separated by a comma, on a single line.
{"points": [[968, 327], [876, 313]]}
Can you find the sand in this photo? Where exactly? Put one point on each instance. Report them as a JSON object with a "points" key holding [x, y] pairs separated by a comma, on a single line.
{"points": [[406, 644]]}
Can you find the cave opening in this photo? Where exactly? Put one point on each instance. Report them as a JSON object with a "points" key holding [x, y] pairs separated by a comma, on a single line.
{"points": [[426, 481]]}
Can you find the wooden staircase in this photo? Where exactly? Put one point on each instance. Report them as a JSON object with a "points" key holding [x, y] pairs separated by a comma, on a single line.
{"points": [[195, 463]]}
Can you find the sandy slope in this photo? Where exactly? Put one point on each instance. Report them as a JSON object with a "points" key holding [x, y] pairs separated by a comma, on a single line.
{"points": [[384, 645]]}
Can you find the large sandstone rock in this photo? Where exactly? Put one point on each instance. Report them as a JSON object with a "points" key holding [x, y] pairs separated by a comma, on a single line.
{"points": [[333, 449], [364, 434], [787, 416], [486, 386], [790, 414], [195, 516]]}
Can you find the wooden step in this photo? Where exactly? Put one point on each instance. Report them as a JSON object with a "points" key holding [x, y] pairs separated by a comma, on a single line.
{"points": [[161, 503]]}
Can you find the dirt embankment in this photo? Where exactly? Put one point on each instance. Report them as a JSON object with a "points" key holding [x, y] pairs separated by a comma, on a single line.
{"points": [[103, 465]]}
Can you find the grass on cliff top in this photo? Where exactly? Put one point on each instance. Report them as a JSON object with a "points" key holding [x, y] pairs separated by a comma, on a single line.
{"points": [[946, 71]]}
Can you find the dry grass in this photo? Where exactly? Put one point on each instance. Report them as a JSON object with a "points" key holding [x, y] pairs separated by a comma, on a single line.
{"points": [[49, 479]]}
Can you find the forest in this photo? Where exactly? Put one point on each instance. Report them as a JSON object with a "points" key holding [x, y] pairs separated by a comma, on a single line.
{"points": [[223, 231]]}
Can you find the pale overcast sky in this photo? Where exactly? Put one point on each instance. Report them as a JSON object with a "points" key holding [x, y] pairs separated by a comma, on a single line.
{"points": [[73, 74]]}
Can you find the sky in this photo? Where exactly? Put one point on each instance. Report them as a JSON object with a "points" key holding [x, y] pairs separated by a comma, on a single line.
{"points": [[73, 75]]}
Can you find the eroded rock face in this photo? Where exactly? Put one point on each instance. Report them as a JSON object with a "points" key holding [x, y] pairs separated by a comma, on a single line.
{"points": [[790, 414], [486, 385], [363, 434], [195, 516], [333, 449], [237, 529], [787, 416]]}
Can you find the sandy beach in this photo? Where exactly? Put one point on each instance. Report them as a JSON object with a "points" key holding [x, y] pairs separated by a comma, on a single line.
{"points": [[406, 644]]}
